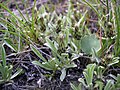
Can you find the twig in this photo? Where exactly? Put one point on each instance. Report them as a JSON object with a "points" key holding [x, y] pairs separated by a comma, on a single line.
{"points": [[103, 3], [14, 54]]}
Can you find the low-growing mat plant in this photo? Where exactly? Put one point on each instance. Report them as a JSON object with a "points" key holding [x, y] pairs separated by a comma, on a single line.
{"points": [[60, 61]]}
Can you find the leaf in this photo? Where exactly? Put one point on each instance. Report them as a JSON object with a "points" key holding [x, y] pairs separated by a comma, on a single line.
{"points": [[80, 86], [9, 71], [66, 37], [41, 65], [11, 13], [95, 56], [91, 6], [108, 85], [99, 71], [87, 78], [75, 47], [42, 9], [81, 80], [62, 77], [16, 73], [72, 65], [50, 64], [8, 10], [4, 72], [10, 44], [118, 78], [51, 45], [1, 81], [114, 61], [37, 53], [82, 18], [99, 84], [90, 42], [88, 73], [73, 86], [3, 56], [56, 60]]}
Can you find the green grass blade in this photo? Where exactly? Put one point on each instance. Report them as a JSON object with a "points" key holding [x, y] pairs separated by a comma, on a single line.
{"points": [[91, 7], [37, 53], [16, 73], [3, 56], [9, 43], [51, 45]]}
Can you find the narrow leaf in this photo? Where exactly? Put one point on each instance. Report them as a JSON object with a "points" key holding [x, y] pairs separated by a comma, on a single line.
{"points": [[3, 56], [10, 44], [73, 86], [108, 85], [51, 45], [37, 53], [16, 74], [41, 65], [62, 77]]}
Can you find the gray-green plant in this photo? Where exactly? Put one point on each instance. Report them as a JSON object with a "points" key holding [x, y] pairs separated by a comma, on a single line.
{"points": [[99, 72], [110, 85], [101, 86], [91, 71], [88, 74], [60, 61], [6, 70]]}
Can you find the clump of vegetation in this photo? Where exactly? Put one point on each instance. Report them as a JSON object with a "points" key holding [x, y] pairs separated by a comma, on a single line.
{"points": [[6, 70], [86, 29]]}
